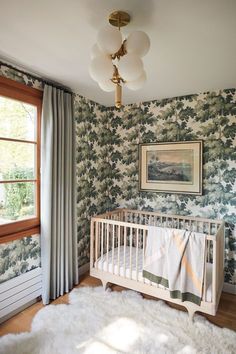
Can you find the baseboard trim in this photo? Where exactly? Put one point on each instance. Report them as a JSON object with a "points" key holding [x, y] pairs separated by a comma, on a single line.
{"points": [[84, 268], [229, 288]]}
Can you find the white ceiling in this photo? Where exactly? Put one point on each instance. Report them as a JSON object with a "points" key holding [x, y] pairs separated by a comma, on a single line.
{"points": [[193, 43]]}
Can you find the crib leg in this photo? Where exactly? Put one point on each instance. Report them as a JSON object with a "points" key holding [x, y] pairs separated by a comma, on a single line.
{"points": [[105, 284]]}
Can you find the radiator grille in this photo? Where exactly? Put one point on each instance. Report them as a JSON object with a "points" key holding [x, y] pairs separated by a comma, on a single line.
{"points": [[17, 292]]}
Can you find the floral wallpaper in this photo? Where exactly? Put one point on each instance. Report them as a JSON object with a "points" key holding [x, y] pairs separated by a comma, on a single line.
{"points": [[107, 160], [16, 75], [107, 164], [18, 257]]}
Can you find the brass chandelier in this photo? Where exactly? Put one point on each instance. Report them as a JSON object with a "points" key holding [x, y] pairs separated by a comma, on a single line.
{"points": [[117, 62]]}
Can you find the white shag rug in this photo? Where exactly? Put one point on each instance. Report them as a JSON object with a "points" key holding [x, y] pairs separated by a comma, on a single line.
{"points": [[99, 322]]}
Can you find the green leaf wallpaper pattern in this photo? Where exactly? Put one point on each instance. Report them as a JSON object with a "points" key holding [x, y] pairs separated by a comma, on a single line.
{"points": [[18, 257], [107, 159], [111, 166], [15, 75]]}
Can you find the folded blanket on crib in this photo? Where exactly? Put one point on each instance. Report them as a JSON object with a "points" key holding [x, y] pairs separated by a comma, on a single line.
{"points": [[175, 259]]}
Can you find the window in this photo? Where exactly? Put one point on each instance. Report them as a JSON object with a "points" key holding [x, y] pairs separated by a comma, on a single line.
{"points": [[20, 110]]}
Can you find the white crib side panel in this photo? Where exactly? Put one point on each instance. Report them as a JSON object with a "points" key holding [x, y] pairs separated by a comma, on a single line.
{"points": [[110, 234]]}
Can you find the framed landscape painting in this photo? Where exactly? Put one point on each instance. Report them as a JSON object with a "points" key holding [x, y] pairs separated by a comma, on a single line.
{"points": [[171, 167]]}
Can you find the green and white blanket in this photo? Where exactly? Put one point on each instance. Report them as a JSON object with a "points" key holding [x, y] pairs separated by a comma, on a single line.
{"points": [[175, 259]]}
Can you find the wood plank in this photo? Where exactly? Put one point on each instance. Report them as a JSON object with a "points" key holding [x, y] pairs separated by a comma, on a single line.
{"points": [[20, 91], [17, 181], [18, 140], [34, 231]]}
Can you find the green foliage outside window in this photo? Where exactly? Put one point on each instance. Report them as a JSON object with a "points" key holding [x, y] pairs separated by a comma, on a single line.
{"points": [[19, 197]]}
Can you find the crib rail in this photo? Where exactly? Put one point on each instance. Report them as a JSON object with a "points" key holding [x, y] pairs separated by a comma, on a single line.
{"points": [[125, 230], [197, 224], [107, 234], [218, 263]]}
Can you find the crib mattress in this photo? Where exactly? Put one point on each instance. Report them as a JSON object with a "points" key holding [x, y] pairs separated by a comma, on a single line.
{"points": [[125, 270]]}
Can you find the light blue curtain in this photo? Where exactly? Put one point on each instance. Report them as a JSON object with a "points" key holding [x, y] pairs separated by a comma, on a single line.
{"points": [[58, 191]]}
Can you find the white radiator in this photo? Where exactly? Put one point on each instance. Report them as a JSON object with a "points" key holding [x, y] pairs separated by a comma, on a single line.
{"points": [[16, 293]]}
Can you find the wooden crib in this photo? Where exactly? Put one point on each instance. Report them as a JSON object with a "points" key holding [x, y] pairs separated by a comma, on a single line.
{"points": [[117, 247]]}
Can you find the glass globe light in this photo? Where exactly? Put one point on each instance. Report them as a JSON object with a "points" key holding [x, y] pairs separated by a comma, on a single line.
{"points": [[130, 67], [95, 51], [138, 83], [109, 39], [101, 68], [107, 85], [138, 43]]}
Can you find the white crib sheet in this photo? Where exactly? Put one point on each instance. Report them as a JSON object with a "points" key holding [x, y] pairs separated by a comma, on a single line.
{"points": [[102, 264]]}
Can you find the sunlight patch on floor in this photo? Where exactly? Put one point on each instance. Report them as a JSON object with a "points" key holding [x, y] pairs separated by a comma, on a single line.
{"points": [[118, 335]]}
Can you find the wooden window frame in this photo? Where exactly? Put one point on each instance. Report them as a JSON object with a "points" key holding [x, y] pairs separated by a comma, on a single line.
{"points": [[20, 92]]}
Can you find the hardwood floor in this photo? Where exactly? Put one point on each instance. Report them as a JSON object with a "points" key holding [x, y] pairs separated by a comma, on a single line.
{"points": [[226, 315]]}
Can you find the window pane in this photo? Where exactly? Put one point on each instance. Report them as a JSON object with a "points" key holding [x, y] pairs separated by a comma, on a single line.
{"points": [[17, 119], [16, 160], [17, 201]]}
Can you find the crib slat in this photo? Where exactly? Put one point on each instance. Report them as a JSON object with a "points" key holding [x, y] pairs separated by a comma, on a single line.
{"points": [[125, 235], [137, 236], [143, 254], [96, 242], [144, 243], [208, 244], [214, 267], [92, 244], [213, 279], [107, 245], [113, 247], [205, 273], [130, 253], [119, 250], [102, 245]]}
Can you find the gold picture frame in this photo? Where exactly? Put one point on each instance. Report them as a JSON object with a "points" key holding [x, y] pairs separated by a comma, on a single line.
{"points": [[171, 167]]}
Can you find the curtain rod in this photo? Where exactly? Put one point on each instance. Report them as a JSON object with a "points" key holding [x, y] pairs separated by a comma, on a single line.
{"points": [[34, 77]]}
